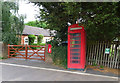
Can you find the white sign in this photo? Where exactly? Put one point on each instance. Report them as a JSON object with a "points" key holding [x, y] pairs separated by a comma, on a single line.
{"points": [[107, 50]]}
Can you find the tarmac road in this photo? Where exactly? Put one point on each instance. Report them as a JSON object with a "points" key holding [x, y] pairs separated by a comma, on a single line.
{"points": [[20, 72]]}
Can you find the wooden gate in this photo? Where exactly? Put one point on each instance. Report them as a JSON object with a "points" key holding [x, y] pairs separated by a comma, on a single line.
{"points": [[27, 52]]}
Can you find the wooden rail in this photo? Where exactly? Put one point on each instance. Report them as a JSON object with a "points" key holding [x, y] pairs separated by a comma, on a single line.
{"points": [[27, 52]]}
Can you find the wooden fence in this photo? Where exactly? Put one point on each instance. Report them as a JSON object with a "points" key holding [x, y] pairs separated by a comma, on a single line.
{"points": [[96, 54]]}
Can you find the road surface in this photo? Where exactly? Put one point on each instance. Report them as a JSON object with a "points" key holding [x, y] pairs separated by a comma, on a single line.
{"points": [[20, 72]]}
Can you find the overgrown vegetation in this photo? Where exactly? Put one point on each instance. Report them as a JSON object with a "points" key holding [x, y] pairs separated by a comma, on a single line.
{"points": [[2, 58], [40, 38], [12, 23], [31, 39], [59, 55], [101, 19], [37, 24], [0, 21]]}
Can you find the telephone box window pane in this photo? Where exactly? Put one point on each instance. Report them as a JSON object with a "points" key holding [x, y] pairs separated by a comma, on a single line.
{"points": [[75, 46], [75, 42], [75, 53], [76, 34], [75, 38], [75, 61], [75, 57], [75, 50]]}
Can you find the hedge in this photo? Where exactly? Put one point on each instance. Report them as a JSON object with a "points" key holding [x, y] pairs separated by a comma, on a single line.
{"points": [[59, 56], [31, 39], [40, 38]]}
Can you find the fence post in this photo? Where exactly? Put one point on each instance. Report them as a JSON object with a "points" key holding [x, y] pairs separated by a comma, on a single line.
{"points": [[26, 51], [8, 51]]}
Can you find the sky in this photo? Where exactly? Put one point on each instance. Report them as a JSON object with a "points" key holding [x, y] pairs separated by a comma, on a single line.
{"points": [[28, 9]]}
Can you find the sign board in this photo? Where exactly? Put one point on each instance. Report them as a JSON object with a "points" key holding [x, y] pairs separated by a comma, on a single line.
{"points": [[107, 50], [76, 28]]}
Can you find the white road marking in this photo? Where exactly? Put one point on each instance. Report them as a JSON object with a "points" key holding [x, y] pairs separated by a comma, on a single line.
{"points": [[72, 72]]}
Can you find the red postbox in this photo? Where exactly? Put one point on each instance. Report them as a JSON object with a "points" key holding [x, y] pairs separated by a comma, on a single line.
{"points": [[76, 47], [49, 48]]}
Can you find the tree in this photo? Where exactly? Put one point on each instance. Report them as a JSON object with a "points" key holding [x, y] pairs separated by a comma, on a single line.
{"points": [[99, 19], [12, 23], [0, 21], [36, 23]]}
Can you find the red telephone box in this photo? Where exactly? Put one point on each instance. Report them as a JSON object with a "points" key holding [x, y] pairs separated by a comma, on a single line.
{"points": [[76, 47]]}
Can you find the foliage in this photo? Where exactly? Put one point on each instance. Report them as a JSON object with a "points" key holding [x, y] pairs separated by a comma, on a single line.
{"points": [[99, 19], [0, 21], [31, 39], [36, 23], [53, 42], [12, 23], [39, 44], [40, 38], [3, 58], [59, 55], [101, 66], [42, 44], [10, 38]]}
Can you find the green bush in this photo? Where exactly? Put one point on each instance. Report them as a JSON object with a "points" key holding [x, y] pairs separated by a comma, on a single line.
{"points": [[10, 38], [59, 55], [3, 58], [31, 39], [34, 47], [101, 66], [42, 44], [40, 38]]}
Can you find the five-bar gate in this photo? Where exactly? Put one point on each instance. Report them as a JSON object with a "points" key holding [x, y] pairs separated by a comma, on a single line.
{"points": [[27, 52]]}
